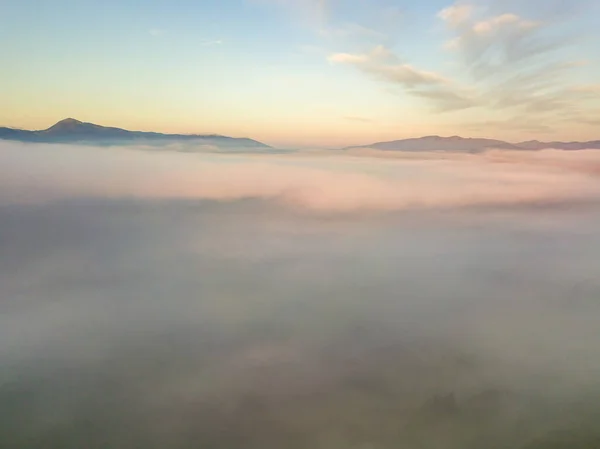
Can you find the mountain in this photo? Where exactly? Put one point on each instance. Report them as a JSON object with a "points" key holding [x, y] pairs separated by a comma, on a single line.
{"points": [[470, 145], [537, 145], [437, 143], [73, 131]]}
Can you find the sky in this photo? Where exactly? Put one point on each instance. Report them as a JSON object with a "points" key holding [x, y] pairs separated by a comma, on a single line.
{"points": [[306, 73]]}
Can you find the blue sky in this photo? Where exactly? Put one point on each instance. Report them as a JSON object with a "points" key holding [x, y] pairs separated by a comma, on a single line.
{"points": [[306, 72]]}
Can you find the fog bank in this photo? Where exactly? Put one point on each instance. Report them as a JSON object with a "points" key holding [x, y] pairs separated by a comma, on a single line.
{"points": [[305, 300]]}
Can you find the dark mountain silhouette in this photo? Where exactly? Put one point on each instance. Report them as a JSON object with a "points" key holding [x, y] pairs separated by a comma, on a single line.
{"points": [[74, 131], [456, 143]]}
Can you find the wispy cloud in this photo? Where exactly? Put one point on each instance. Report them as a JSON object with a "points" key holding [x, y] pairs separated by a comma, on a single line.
{"points": [[354, 118], [316, 12], [381, 63], [210, 43], [456, 14], [156, 32], [385, 64], [518, 123], [503, 62], [491, 43], [510, 64], [350, 30], [518, 64]]}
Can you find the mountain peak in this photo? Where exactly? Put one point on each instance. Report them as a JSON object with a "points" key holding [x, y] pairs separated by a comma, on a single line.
{"points": [[70, 130], [68, 121], [65, 124]]}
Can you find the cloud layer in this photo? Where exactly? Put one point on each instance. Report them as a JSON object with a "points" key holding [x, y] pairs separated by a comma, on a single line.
{"points": [[157, 299], [164, 299], [333, 181]]}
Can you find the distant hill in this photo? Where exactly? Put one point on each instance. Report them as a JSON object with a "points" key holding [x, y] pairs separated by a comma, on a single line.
{"points": [[456, 143], [73, 131], [537, 145]]}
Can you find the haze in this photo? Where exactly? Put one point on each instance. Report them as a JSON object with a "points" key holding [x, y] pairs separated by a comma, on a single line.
{"points": [[310, 299]]}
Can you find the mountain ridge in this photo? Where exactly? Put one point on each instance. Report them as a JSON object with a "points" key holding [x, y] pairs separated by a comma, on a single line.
{"points": [[70, 130], [469, 144]]}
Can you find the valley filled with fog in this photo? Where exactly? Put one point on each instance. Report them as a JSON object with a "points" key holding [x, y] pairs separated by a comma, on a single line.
{"points": [[313, 299]]}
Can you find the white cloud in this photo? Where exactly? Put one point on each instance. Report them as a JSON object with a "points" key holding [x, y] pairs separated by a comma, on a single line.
{"points": [[308, 181], [315, 12], [210, 43], [453, 44], [383, 64], [456, 14], [504, 20], [587, 88], [352, 30], [347, 58], [516, 65], [487, 26]]}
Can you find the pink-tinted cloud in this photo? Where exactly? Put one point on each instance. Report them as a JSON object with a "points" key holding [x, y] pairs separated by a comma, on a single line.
{"points": [[313, 181]]}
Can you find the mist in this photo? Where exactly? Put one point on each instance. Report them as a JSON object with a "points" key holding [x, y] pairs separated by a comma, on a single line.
{"points": [[311, 299]]}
